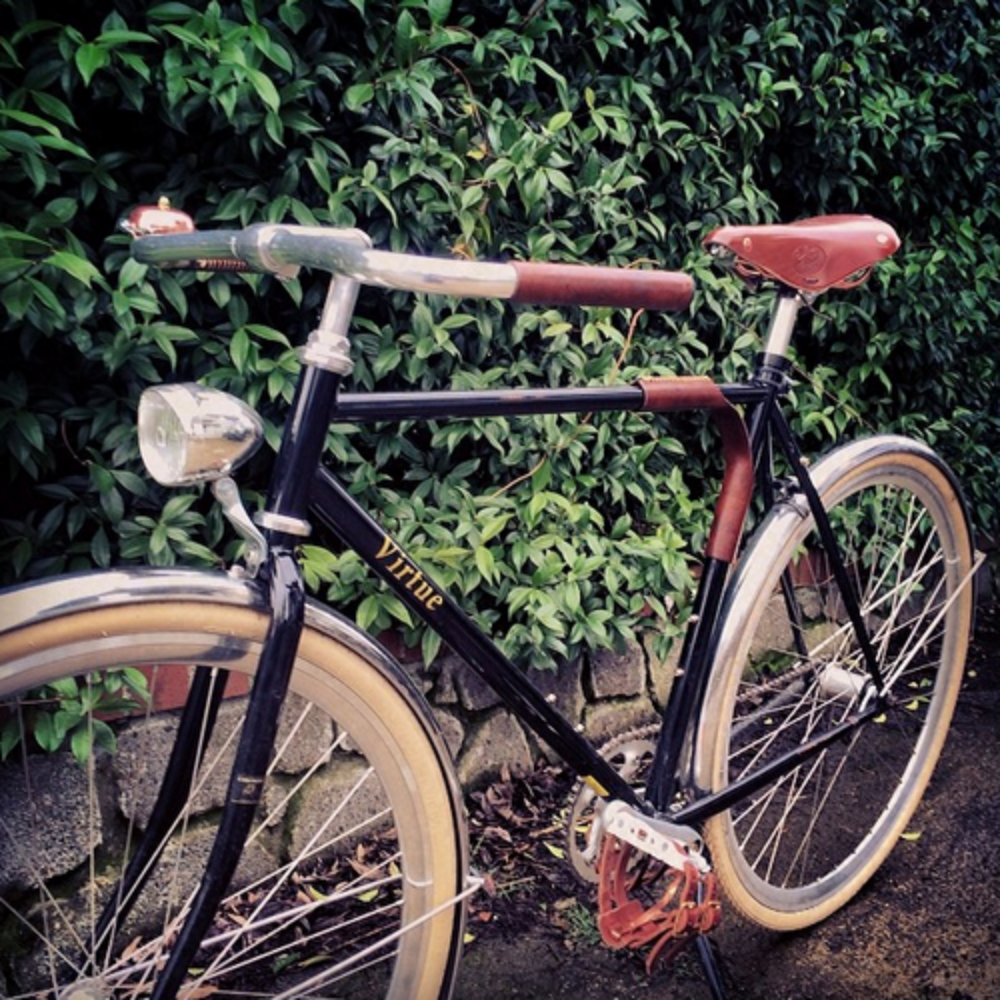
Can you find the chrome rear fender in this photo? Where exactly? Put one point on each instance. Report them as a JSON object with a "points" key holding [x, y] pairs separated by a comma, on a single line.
{"points": [[755, 564]]}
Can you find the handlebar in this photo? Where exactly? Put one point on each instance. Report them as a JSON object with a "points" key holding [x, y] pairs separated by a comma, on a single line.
{"points": [[283, 249]]}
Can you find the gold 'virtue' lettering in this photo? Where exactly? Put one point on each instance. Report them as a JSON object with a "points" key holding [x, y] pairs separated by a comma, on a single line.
{"points": [[404, 571]]}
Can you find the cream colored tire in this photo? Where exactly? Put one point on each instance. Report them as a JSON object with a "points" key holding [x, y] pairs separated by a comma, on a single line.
{"points": [[361, 776], [803, 846]]}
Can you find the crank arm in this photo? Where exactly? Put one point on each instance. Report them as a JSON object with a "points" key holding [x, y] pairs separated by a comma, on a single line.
{"points": [[671, 843]]}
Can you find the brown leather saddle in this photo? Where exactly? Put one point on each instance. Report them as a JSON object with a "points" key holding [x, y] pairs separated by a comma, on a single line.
{"points": [[812, 255]]}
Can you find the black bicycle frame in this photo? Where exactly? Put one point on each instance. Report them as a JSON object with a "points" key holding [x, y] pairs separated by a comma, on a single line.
{"points": [[342, 515], [301, 485], [356, 529]]}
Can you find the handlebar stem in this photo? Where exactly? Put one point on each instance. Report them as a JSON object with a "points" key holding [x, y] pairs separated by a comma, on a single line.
{"points": [[328, 346]]}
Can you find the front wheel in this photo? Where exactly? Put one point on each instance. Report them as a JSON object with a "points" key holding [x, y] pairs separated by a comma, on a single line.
{"points": [[788, 667], [351, 880]]}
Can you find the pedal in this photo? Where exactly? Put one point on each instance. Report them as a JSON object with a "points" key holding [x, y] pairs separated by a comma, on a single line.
{"points": [[674, 845], [656, 887]]}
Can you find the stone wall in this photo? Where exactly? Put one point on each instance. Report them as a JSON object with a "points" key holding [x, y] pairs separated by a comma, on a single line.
{"points": [[603, 694]]}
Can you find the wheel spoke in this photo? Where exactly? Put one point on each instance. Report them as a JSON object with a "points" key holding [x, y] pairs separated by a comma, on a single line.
{"points": [[808, 840]]}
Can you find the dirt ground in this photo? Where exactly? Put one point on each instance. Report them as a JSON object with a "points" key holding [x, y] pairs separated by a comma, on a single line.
{"points": [[927, 927]]}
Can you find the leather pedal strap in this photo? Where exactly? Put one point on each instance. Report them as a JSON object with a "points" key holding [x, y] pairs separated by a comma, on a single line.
{"points": [[687, 906]]}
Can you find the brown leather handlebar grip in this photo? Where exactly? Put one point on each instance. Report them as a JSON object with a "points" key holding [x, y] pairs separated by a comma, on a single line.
{"points": [[582, 285]]}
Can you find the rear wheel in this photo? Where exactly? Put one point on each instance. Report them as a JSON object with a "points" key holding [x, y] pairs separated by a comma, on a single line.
{"points": [[349, 884], [789, 667]]}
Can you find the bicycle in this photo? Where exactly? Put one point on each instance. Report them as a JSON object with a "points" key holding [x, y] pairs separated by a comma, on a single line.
{"points": [[790, 756]]}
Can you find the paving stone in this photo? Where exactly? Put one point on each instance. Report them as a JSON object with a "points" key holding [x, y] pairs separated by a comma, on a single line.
{"points": [[176, 877], [144, 750], [55, 830], [458, 683], [453, 730], [445, 692], [661, 670], [331, 806], [564, 686]]}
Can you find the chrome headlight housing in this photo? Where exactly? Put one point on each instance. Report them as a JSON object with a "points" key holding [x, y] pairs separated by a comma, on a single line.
{"points": [[191, 434]]}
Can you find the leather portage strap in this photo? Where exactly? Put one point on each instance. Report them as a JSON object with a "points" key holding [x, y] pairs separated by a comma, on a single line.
{"points": [[696, 392]]}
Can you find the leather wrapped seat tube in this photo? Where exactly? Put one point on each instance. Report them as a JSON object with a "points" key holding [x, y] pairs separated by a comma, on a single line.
{"points": [[689, 393]]}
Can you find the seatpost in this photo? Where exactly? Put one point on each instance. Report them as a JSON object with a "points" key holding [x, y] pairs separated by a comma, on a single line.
{"points": [[326, 360], [772, 363], [786, 312]]}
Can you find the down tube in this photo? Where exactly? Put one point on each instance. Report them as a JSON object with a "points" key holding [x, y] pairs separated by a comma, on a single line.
{"points": [[339, 512]]}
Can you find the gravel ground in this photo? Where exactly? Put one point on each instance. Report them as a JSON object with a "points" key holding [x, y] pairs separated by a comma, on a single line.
{"points": [[927, 927]]}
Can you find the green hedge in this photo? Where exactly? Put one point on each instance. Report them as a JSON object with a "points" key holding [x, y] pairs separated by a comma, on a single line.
{"points": [[598, 131]]}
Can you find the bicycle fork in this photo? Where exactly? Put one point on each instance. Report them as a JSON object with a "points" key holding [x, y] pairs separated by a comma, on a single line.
{"points": [[252, 756], [284, 523]]}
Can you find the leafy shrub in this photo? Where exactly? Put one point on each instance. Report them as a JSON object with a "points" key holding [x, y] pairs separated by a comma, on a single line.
{"points": [[618, 131], [72, 713]]}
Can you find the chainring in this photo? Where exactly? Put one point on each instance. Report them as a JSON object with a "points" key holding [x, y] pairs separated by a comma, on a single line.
{"points": [[631, 754]]}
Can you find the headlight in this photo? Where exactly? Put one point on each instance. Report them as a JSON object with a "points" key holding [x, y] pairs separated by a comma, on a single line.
{"points": [[190, 434]]}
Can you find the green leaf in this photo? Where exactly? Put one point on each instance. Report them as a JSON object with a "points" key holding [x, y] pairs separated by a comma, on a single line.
{"points": [[46, 732], [369, 611], [19, 142], [89, 58], [430, 646], [10, 737], [75, 266], [485, 562], [559, 120], [439, 10], [25, 118], [119, 36], [54, 107], [266, 90], [239, 349], [493, 527], [30, 427]]}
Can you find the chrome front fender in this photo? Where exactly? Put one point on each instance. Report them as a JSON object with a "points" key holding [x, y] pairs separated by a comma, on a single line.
{"points": [[36, 603], [48, 601], [43, 600]]}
